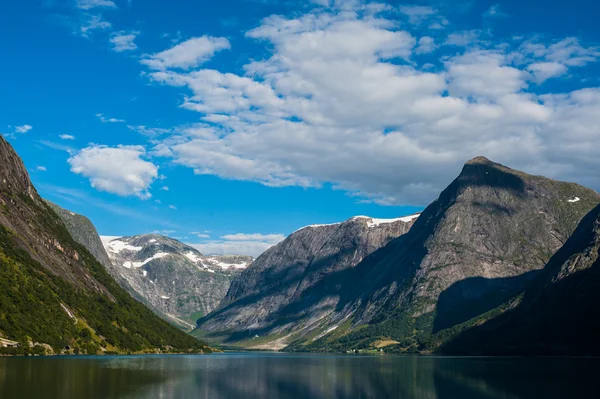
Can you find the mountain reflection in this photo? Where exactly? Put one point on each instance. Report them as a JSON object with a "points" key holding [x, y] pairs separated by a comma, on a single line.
{"points": [[253, 376]]}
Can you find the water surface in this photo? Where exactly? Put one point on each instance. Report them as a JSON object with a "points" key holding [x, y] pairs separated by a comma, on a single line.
{"points": [[258, 375]]}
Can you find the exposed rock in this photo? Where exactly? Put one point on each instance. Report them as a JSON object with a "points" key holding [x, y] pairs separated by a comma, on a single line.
{"points": [[84, 232], [295, 286], [558, 314], [479, 244], [174, 279]]}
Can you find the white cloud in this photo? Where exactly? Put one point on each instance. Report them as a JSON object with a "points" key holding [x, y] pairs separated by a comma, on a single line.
{"points": [[268, 238], [164, 188], [148, 131], [119, 170], [189, 54], [240, 244], [124, 41], [104, 119], [426, 45], [66, 137], [41, 169], [543, 71], [200, 235], [340, 100], [417, 14], [89, 23], [23, 128], [89, 4], [173, 207]]}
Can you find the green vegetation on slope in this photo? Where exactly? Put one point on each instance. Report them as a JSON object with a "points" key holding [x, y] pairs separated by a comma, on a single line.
{"points": [[30, 307]]}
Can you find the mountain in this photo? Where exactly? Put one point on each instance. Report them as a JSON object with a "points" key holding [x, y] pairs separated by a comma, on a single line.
{"points": [[175, 280], [84, 232], [557, 315], [55, 294], [479, 244], [291, 290]]}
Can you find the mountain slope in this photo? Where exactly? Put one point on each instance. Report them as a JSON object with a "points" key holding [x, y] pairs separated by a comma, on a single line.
{"points": [[84, 232], [291, 290], [54, 291], [558, 314], [478, 245], [174, 279]]}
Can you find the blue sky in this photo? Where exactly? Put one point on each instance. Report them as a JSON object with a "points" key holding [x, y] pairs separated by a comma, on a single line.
{"points": [[231, 124]]}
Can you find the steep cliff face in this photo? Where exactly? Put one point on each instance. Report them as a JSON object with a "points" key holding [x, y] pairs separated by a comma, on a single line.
{"points": [[84, 232], [174, 279], [479, 244], [557, 315], [292, 289], [54, 291]]}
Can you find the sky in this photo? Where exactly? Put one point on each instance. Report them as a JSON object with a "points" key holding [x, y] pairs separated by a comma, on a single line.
{"points": [[230, 124]]}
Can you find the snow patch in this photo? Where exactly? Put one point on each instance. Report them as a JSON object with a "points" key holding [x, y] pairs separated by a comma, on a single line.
{"points": [[192, 256], [576, 199], [116, 246], [376, 222], [145, 273], [159, 255], [226, 266], [165, 297]]}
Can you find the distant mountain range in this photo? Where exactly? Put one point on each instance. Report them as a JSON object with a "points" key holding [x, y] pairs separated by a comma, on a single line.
{"points": [[174, 279], [55, 295]]}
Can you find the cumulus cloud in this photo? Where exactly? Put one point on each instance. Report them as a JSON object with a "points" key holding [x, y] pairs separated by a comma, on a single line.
{"points": [[119, 170], [543, 71], [124, 41], [189, 54], [426, 45], [340, 100], [239, 244]]}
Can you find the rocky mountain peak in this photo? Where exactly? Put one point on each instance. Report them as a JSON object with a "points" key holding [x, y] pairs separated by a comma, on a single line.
{"points": [[295, 285], [13, 174], [174, 279]]}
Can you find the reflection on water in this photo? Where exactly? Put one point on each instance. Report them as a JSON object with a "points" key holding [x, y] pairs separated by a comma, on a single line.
{"points": [[253, 375]]}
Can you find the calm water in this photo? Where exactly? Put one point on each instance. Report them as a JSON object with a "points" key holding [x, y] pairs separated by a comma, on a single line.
{"points": [[249, 376]]}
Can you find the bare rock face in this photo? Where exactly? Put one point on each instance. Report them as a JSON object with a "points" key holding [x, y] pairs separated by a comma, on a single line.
{"points": [[557, 315], [479, 244], [84, 232], [174, 279], [294, 287], [41, 233]]}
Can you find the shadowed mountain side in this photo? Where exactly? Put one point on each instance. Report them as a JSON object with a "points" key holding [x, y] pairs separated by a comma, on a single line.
{"points": [[490, 228], [472, 297], [557, 315]]}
